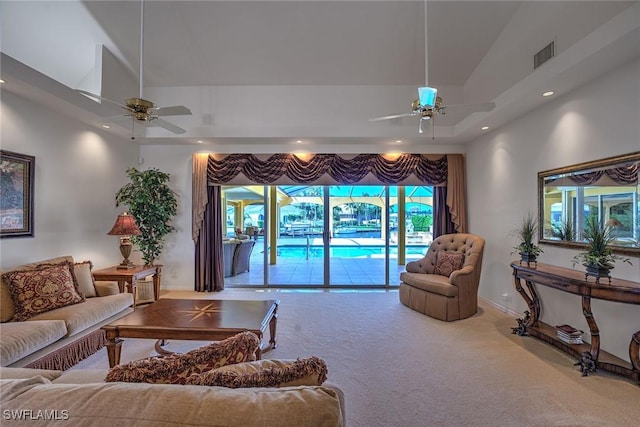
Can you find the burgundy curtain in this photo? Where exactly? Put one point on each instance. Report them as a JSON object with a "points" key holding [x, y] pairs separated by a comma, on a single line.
{"points": [[328, 169], [442, 223], [209, 265]]}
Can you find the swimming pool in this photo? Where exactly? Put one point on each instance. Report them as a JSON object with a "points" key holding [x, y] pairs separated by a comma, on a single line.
{"points": [[300, 251]]}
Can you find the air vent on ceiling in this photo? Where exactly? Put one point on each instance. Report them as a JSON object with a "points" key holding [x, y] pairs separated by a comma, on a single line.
{"points": [[544, 55]]}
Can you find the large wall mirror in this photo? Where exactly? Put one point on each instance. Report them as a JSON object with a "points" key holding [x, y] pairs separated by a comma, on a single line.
{"points": [[608, 188]]}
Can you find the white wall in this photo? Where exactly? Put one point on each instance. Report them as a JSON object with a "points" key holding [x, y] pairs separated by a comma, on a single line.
{"points": [[597, 120], [78, 171]]}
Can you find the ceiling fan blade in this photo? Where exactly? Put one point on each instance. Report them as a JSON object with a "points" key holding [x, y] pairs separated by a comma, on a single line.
{"points": [[166, 125], [395, 116], [468, 108], [177, 110], [94, 96]]}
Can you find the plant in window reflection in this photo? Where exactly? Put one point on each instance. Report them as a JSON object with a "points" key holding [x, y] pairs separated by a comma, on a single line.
{"points": [[599, 255], [564, 230], [526, 232]]}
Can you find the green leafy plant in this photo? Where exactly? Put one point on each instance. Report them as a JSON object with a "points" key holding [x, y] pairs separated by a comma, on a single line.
{"points": [[599, 254], [153, 204], [526, 232], [565, 230]]}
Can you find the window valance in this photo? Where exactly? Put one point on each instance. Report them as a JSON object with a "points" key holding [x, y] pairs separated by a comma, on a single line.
{"points": [[326, 169]]}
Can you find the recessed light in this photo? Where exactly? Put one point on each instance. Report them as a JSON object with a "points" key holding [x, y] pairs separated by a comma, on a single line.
{"points": [[484, 127], [2, 81], [398, 141], [199, 141], [299, 141], [106, 126], [548, 93]]}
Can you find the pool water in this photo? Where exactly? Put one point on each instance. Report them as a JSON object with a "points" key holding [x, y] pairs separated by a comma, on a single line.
{"points": [[346, 251]]}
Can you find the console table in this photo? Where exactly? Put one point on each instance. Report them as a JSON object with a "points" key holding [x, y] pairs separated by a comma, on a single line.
{"points": [[130, 276], [589, 356]]}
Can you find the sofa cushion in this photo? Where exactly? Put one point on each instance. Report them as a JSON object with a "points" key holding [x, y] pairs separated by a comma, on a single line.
{"points": [[24, 373], [42, 289], [430, 282], [104, 288], [176, 368], [79, 317], [448, 262], [20, 339], [309, 371], [6, 302], [109, 404], [86, 285]]}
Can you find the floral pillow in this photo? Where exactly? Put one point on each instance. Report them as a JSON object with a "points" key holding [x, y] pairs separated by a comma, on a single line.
{"points": [[310, 371], [175, 368], [42, 289], [448, 262]]}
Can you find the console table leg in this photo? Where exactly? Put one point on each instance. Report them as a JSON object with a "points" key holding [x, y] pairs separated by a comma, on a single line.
{"points": [[593, 327], [533, 302]]}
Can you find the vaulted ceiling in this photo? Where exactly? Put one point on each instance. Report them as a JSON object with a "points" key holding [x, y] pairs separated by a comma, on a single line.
{"points": [[279, 71]]}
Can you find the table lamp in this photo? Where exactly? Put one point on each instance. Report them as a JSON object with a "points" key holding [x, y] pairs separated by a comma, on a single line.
{"points": [[125, 227]]}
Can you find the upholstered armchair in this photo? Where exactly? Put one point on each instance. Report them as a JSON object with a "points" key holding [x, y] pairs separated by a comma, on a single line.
{"points": [[444, 283]]}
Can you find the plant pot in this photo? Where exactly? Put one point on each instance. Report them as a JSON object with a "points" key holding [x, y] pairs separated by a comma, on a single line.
{"points": [[528, 258], [597, 271]]}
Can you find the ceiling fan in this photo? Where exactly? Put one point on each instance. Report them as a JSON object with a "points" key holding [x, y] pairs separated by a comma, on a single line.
{"points": [[429, 104], [142, 111]]}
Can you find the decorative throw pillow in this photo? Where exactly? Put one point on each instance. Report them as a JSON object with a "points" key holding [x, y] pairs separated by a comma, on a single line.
{"points": [[42, 289], [448, 262], [86, 285], [175, 368], [310, 371]]}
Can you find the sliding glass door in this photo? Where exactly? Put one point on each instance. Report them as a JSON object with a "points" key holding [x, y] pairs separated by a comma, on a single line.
{"points": [[327, 236]]}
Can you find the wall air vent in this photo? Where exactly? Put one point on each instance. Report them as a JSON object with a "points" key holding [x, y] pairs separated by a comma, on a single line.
{"points": [[547, 52]]}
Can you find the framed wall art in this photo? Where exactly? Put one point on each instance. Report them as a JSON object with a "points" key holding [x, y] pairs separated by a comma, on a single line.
{"points": [[16, 194]]}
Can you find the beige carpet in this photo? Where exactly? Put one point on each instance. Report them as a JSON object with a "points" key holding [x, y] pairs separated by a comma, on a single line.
{"points": [[398, 367]]}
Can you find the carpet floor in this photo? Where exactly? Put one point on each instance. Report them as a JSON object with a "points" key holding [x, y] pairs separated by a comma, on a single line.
{"points": [[398, 367]]}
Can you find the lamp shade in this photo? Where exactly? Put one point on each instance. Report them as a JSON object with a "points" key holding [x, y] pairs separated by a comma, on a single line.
{"points": [[125, 226]]}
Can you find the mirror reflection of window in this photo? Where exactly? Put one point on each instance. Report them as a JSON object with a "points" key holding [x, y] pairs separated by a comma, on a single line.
{"points": [[608, 189]]}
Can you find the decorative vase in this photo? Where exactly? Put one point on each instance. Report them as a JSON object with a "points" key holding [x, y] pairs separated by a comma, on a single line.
{"points": [[528, 258], [597, 271]]}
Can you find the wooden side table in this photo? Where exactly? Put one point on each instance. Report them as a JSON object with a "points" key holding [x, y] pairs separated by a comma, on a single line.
{"points": [[129, 278]]}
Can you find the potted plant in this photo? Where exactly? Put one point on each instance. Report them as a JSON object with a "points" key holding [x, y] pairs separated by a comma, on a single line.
{"points": [[525, 232], [153, 204], [599, 259]]}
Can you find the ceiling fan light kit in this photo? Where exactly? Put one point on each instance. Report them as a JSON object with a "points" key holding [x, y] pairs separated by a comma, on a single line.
{"points": [[429, 103], [140, 109]]}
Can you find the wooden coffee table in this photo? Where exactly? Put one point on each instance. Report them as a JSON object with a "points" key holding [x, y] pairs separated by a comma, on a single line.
{"points": [[201, 320]]}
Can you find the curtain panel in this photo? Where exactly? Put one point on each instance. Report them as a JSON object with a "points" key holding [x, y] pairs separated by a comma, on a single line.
{"points": [[319, 169]]}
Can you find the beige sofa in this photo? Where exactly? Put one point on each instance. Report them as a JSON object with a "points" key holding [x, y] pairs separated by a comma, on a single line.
{"points": [[63, 336], [440, 290], [81, 397]]}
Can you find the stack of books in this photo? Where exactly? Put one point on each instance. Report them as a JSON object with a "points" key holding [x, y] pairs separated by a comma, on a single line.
{"points": [[569, 334]]}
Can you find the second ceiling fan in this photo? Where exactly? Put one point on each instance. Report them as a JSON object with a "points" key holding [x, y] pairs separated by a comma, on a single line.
{"points": [[143, 111], [429, 104]]}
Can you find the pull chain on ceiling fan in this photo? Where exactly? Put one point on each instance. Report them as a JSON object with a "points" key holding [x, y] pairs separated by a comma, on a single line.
{"points": [[141, 110], [429, 104]]}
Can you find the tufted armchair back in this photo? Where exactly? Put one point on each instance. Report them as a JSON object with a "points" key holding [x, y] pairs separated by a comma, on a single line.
{"points": [[470, 244]]}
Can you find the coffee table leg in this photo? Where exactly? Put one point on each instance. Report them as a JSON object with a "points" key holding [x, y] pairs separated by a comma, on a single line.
{"points": [[114, 346]]}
